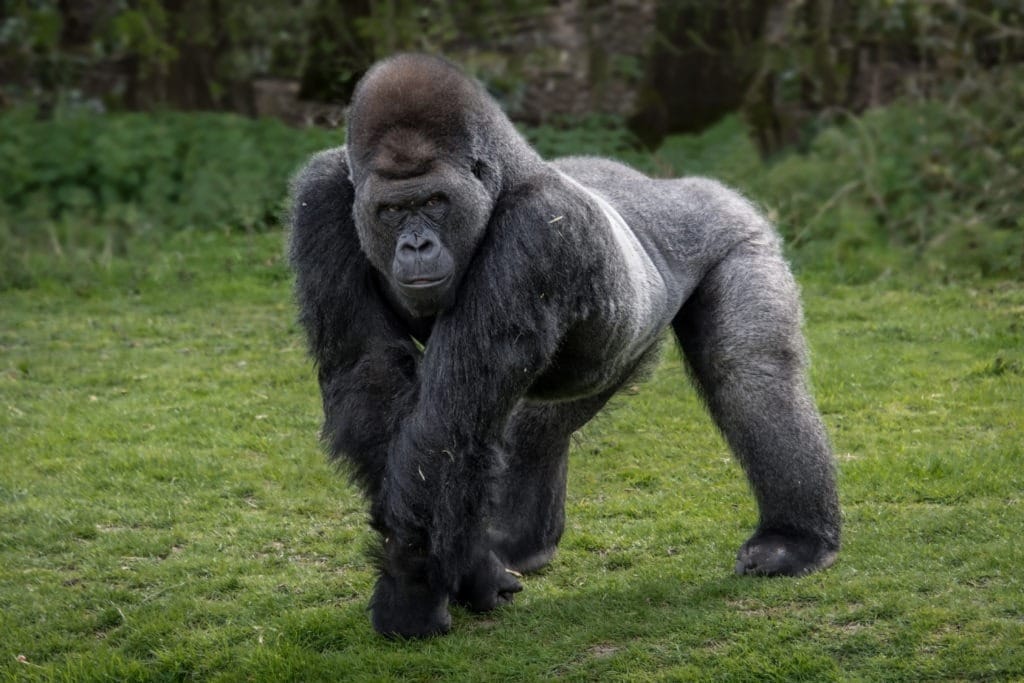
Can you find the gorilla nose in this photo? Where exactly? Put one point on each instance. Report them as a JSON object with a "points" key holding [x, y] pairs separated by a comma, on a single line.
{"points": [[416, 247]]}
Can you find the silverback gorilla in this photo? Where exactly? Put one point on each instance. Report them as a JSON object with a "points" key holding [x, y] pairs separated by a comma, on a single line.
{"points": [[469, 306]]}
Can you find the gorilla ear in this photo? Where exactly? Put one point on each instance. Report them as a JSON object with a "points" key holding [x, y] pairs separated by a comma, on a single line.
{"points": [[478, 169], [348, 165]]}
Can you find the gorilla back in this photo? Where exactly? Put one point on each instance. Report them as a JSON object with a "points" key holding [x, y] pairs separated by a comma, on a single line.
{"points": [[470, 305]]}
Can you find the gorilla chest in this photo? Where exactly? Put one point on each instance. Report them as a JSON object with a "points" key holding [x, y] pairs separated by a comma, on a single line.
{"points": [[593, 358]]}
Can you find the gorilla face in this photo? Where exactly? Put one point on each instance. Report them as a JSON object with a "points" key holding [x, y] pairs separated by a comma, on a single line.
{"points": [[420, 216], [422, 266]]}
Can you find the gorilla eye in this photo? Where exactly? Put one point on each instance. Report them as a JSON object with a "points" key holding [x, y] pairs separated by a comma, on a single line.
{"points": [[436, 200], [390, 209]]}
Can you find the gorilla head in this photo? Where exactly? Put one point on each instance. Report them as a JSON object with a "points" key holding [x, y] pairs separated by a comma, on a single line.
{"points": [[422, 160]]}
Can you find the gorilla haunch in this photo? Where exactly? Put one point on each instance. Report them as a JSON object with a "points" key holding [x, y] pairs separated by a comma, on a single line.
{"points": [[470, 305]]}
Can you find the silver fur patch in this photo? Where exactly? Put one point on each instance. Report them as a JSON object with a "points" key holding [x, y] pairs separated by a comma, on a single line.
{"points": [[648, 287]]}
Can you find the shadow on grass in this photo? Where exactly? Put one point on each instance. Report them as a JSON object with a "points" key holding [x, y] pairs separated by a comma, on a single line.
{"points": [[642, 608], [620, 623]]}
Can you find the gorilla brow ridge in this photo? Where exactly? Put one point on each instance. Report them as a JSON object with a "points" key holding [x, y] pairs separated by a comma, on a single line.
{"points": [[403, 153]]}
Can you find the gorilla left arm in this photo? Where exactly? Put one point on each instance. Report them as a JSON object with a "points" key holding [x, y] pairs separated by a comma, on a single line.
{"points": [[482, 357]]}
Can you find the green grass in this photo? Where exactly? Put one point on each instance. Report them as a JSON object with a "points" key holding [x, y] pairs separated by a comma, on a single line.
{"points": [[165, 512]]}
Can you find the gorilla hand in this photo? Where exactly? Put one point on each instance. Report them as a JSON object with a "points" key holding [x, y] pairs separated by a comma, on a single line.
{"points": [[408, 609], [489, 585]]}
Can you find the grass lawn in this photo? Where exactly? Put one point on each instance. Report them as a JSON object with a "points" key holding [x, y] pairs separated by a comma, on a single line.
{"points": [[165, 511]]}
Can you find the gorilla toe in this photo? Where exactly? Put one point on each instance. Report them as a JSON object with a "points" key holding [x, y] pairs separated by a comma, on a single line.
{"points": [[773, 553]]}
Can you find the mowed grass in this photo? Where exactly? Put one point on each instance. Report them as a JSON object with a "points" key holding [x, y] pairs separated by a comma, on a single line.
{"points": [[166, 513]]}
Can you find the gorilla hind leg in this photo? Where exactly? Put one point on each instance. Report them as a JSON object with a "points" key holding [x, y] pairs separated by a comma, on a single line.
{"points": [[529, 515], [740, 333]]}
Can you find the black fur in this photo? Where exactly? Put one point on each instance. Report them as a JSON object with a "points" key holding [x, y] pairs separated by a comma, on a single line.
{"points": [[469, 306]]}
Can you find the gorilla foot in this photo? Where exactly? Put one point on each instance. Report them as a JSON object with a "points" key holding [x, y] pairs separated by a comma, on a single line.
{"points": [[774, 553], [490, 585], [408, 610]]}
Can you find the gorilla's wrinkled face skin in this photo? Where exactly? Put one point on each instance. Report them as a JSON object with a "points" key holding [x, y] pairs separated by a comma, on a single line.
{"points": [[420, 215]]}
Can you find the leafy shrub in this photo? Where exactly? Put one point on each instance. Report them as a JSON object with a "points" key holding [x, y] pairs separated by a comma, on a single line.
{"points": [[917, 184], [87, 184], [934, 184], [597, 135], [169, 171]]}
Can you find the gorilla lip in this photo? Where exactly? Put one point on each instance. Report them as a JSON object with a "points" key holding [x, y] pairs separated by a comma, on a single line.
{"points": [[422, 283]]}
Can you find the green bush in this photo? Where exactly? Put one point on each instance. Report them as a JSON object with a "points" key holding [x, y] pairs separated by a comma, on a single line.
{"points": [[596, 135], [169, 170], [923, 184], [917, 184], [83, 185]]}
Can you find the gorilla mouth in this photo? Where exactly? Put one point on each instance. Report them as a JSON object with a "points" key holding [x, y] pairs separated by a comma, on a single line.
{"points": [[424, 283]]}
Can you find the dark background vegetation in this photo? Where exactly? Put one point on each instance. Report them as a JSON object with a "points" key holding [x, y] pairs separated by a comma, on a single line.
{"points": [[878, 134]]}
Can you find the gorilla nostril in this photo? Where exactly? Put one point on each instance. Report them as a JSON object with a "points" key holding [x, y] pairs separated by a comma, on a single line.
{"points": [[428, 248], [418, 246]]}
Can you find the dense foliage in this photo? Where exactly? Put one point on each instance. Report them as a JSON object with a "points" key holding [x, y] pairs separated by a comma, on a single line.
{"points": [[925, 184], [86, 185], [204, 54], [782, 63], [920, 184], [778, 61]]}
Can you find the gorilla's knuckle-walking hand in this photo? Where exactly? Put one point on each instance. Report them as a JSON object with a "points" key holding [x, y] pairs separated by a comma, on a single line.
{"points": [[408, 610], [488, 586]]}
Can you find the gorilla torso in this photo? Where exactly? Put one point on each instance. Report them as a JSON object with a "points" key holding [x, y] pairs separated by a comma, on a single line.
{"points": [[656, 253]]}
